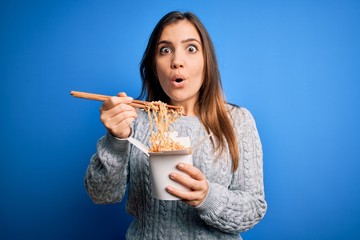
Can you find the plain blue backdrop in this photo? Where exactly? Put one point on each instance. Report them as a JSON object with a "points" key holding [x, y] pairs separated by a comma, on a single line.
{"points": [[293, 64]]}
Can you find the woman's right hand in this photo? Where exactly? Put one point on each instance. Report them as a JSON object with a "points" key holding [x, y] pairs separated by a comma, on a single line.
{"points": [[117, 115]]}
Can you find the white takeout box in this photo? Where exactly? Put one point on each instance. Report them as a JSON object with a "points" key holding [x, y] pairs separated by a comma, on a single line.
{"points": [[164, 163], [161, 165]]}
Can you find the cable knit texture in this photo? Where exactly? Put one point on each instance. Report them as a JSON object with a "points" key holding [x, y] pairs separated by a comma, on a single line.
{"points": [[235, 202]]}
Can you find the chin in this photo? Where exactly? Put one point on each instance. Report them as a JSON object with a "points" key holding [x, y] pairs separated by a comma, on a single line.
{"points": [[176, 97], [175, 101], [181, 97], [180, 100]]}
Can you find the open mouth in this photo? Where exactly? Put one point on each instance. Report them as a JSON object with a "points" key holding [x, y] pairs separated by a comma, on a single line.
{"points": [[178, 80]]}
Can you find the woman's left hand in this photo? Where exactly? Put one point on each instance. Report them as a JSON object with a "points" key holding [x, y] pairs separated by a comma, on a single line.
{"points": [[196, 182]]}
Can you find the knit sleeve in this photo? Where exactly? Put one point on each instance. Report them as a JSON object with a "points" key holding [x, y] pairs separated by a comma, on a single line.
{"points": [[240, 206], [106, 175]]}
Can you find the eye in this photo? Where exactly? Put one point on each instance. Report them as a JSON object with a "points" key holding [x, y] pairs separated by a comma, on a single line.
{"points": [[165, 50], [192, 49]]}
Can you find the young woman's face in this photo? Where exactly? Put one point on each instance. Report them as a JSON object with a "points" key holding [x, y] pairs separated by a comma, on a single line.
{"points": [[180, 63]]}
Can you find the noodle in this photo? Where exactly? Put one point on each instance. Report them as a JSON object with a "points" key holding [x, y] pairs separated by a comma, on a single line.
{"points": [[161, 117]]}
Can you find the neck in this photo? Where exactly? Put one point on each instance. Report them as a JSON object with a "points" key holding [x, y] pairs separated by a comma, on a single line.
{"points": [[189, 108]]}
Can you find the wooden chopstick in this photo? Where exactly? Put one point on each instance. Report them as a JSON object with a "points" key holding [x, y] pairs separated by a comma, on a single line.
{"points": [[100, 97]]}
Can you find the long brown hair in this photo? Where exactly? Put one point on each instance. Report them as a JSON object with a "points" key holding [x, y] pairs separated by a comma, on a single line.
{"points": [[213, 114]]}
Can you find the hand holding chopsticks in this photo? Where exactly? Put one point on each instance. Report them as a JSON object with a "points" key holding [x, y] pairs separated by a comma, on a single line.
{"points": [[118, 120], [100, 97]]}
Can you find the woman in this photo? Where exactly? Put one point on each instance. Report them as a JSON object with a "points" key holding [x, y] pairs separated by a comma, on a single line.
{"points": [[179, 67]]}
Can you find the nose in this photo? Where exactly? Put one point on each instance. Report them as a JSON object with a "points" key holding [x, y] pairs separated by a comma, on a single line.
{"points": [[176, 65], [177, 61]]}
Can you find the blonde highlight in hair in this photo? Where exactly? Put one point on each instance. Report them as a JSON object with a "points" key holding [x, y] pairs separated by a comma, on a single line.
{"points": [[213, 115]]}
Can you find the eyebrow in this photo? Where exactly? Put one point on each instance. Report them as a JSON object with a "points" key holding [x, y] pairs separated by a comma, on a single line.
{"points": [[183, 41]]}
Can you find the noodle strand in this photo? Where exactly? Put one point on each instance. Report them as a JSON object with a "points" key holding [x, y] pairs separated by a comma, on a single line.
{"points": [[162, 118]]}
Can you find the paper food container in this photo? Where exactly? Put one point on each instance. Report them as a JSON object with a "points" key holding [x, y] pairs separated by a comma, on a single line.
{"points": [[161, 165], [164, 163]]}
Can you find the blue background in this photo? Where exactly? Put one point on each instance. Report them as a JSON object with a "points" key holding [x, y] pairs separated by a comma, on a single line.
{"points": [[293, 64]]}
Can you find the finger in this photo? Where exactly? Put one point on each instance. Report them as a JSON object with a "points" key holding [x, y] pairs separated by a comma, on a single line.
{"points": [[122, 108], [188, 182], [124, 117], [191, 170], [124, 123], [108, 115], [120, 126], [120, 114], [185, 195], [122, 94], [111, 102], [190, 197], [198, 188]]}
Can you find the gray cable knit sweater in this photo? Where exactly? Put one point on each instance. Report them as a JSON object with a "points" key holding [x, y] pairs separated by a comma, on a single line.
{"points": [[235, 202]]}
